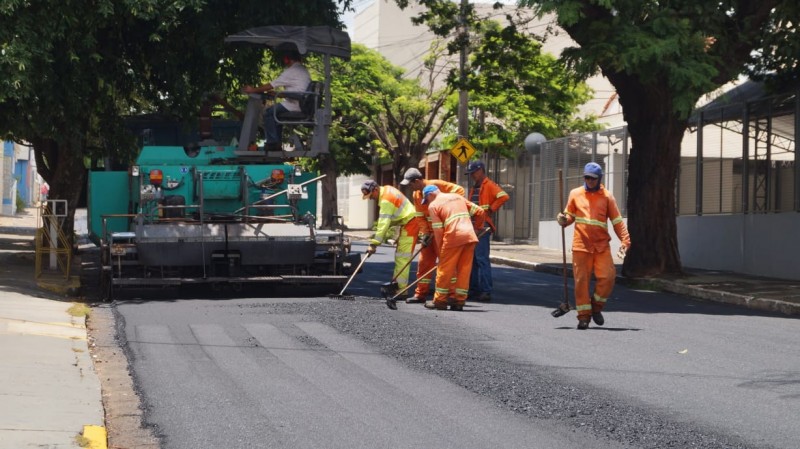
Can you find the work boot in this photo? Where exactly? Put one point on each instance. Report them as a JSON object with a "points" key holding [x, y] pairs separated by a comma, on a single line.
{"points": [[598, 319], [433, 306], [455, 305], [485, 297], [583, 324], [414, 300]]}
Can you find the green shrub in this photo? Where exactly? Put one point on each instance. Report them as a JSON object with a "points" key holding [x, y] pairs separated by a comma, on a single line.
{"points": [[20, 203]]}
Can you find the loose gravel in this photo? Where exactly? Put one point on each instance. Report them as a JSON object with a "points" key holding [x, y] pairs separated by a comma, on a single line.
{"points": [[425, 344]]}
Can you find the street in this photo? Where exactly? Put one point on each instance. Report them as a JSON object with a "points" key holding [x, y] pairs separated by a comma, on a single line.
{"points": [[276, 369]]}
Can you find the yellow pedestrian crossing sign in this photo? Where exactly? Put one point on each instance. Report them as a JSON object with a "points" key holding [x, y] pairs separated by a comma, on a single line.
{"points": [[463, 150]]}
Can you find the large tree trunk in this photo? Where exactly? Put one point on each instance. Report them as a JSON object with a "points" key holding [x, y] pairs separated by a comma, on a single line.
{"points": [[656, 133], [330, 205], [64, 170]]}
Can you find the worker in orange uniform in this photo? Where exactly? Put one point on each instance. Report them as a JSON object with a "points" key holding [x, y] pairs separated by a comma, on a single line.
{"points": [[452, 223], [489, 196], [428, 254], [394, 210], [590, 207]]}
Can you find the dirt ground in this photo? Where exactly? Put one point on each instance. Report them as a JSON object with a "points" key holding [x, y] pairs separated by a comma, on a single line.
{"points": [[124, 415]]}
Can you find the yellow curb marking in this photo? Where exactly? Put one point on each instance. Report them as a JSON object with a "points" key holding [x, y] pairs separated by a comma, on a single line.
{"points": [[97, 437]]}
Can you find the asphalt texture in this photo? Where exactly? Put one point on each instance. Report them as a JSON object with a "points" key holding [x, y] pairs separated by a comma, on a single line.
{"points": [[280, 371]]}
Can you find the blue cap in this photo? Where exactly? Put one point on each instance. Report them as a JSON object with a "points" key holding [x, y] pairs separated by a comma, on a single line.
{"points": [[426, 191], [475, 166], [593, 169], [368, 187]]}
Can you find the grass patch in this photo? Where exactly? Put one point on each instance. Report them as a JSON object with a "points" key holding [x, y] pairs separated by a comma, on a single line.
{"points": [[82, 441], [79, 310]]}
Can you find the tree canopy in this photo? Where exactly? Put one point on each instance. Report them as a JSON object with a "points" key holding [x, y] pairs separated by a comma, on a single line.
{"points": [[70, 71], [662, 57]]}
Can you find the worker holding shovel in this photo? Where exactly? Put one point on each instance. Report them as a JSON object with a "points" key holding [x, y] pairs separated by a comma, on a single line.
{"points": [[451, 220], [428, 252], [590, 207]]}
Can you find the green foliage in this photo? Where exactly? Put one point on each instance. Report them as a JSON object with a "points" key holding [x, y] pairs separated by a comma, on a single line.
{"points": [[666, 44], [20, 203], [517, 89], [70, 71]]}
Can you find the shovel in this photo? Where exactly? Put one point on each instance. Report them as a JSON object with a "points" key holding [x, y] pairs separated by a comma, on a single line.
{"points": [[341, 294], [563, 308], [391, 302], [390, 288]]}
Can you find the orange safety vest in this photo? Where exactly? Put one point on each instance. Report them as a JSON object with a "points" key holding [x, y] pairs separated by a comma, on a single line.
{"points": [[591, 212], [422, 209], [490, 198], [451, 220]]}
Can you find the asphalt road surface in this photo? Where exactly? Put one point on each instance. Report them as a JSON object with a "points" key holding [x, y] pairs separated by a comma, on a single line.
{"points": [[280, 369]]}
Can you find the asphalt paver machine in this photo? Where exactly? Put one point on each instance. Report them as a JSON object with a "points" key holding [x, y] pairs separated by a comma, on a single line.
{"points": [[220, 213]]}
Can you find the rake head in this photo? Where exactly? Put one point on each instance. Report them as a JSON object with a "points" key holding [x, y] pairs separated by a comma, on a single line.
{"points": [[345, 297], [562, 310]]}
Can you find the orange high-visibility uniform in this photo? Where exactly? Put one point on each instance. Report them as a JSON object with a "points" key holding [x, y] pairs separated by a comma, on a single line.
{"points": [[427, 256], [396, 210], [451, 220], [490, 197], [591, 252]]}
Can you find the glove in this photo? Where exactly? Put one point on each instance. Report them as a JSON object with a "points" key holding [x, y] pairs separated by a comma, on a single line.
{"points": [[622, 251], [371, 250], [425, 240], [562, 219]]}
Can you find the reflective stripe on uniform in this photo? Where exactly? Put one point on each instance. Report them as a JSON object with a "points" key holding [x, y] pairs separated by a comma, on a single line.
{"points": [[582, 307], [453, 217], [597, 298], [590, 222]]}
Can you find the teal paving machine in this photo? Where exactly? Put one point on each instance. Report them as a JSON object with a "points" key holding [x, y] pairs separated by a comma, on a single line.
{"points": [[222, 214]]}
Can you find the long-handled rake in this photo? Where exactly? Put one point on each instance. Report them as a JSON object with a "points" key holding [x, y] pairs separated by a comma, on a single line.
{"points": [[563, 308], [341, 294]]}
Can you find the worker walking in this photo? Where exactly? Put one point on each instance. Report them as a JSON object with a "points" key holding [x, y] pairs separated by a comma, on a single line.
{"points": [[428, 254], [490, 197], [590, 207], [394, 210], [452, 223]]}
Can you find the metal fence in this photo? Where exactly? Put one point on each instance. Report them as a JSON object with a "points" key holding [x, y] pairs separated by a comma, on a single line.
{"points": [[735, 158]]}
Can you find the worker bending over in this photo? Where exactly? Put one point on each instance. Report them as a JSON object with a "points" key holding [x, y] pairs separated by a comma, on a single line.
{"points": [[454, 233], [394, 210], [428, 254]]}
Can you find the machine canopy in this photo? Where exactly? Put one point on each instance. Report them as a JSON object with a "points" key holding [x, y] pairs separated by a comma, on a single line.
{"points": [[317, 39]]}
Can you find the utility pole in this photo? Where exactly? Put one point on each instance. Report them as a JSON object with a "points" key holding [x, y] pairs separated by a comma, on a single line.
{"points": [[463, 124]]}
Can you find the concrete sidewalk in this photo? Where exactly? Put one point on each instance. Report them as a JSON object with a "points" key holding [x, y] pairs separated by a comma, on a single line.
{"points": [[50, 391], [759, 293]]}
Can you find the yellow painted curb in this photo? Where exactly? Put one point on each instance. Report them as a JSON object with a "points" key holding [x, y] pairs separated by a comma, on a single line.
{"points": [[97, 437]]}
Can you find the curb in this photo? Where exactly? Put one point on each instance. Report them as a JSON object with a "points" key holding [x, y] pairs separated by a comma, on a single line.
{"points": [[96, 436], [748, 301]]}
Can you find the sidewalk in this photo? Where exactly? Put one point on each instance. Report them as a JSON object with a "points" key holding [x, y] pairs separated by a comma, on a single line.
{"points": [[759, 293], [50, 391]]}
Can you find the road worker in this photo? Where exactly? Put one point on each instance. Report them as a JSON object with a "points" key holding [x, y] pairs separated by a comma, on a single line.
{"points": [[590, 207], [394, 210], [453, 230], [428, 254], [490, 197]]}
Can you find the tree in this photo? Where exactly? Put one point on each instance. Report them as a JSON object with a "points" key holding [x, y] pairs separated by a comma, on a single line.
{"points": [[70, 71], [513, 87], [516, 88], [662, 57]]}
